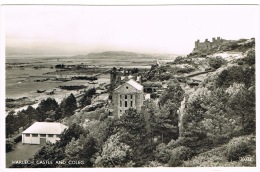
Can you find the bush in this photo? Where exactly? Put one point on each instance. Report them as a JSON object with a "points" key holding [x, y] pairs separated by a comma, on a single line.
{"points": [[216, 62], [18, 138], [9, 145], [250, 57], [178, 155], [237, 148], [153, 96]]}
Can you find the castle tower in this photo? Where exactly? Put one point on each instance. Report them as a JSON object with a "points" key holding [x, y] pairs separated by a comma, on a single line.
{"points": [[113, 77], [197, 43], [218, 39]]}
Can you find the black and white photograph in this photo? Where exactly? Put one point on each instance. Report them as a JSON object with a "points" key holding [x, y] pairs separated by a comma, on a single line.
{"points": [[129, 86]]}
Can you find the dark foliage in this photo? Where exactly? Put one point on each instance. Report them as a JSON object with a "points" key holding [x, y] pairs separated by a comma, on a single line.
{"points": [[73, 131], [216, 62], [45, 107], [86, 99], [238, 148], [178, 155]]}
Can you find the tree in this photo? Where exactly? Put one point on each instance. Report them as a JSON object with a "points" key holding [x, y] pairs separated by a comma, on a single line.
{"points": [[166, 125], [31, 114], [21, 119], [135, 134], [115, 154], [168, 120], [173, 93], [192, 128], [242, 107], [86, 99], [81, 149], [10, 123], [50, 153], [44, 107], [89, 150], [66, 108], [74, 131]]}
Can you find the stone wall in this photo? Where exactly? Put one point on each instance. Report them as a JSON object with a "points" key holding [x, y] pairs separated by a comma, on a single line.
{"points": [[207, 45]]}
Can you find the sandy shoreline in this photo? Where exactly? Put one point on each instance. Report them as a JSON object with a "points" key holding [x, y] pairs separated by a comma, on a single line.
{"points": [[58, 96]]}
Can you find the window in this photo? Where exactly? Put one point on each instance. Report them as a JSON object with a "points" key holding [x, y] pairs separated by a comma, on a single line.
{"points": [[120, 103], [34, 135], [126, 87], [131, 96], [125, 96], [42, 135], [125, 103], [120, 111], [131, 103], [50, 135], [27, 135]]}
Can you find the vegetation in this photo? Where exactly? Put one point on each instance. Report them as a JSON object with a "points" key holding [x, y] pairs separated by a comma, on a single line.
{"points": [[86, 99], [212, 124], [216, 62], [72, 87], [91, 78]]}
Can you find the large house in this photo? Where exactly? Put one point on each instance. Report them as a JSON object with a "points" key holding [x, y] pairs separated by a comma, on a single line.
{"points": [[128, 95], [42, 132]]}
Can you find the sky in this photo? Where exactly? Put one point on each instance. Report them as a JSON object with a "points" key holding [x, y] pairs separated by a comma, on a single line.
{"points": [[46, 29]]}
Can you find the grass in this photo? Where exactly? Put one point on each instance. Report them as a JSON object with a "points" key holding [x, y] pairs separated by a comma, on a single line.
{"points": [[21, 152]]}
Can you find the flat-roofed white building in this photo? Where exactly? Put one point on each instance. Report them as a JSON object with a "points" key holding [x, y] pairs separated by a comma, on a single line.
{"points": [[42, 132]]}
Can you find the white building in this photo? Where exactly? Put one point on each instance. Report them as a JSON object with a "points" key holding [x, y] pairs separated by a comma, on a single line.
{"points": [[128, 95], [42, 132]]}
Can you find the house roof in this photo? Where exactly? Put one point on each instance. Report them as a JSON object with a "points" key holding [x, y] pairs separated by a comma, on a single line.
{"points": [[46, 128], [135, 84]]}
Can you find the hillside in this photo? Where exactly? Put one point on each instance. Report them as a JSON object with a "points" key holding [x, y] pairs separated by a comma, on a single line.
{"points": [[240, 46], [201, 114]]}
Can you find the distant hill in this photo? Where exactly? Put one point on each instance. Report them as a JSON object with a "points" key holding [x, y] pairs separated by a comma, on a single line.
{"points": [[123, 55]]}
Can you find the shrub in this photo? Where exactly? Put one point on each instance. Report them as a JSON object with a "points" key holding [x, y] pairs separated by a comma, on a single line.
{"points": [[153, 96], [237, 148], [161, 153], [9, 145], [18, 138], [178, 155], [216, 62], [250, 57]]}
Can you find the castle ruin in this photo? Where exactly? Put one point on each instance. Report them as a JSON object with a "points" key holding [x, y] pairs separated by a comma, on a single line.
{"points": [[207, 45]]}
